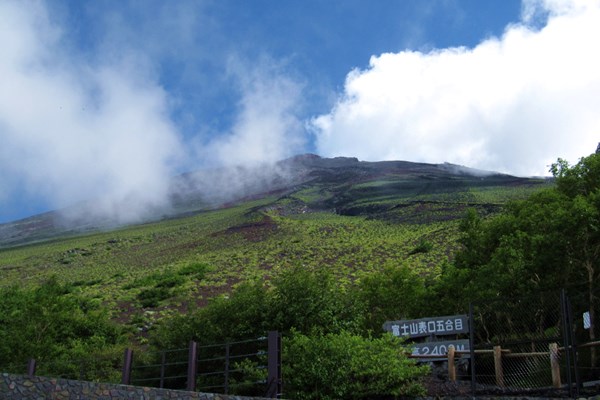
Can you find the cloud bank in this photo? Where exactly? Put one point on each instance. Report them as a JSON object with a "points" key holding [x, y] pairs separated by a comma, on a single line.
{"points": [[71, 130], [511, 104], [267, 127], [106, 123], [95, 128]]}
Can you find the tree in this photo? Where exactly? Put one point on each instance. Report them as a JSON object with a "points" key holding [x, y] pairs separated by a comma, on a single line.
{"points": [[311, 300], [581, 184], [390, 294], [549, 241], [58, 328]]}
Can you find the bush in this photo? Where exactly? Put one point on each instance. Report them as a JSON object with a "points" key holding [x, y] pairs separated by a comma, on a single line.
{"points": [[152, 297], [390, 294], [423, 246], [194, 270], [241, 315], [308, 301], [58, 328], [347, 366]]}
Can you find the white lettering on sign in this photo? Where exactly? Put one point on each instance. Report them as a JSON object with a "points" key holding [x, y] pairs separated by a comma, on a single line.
{"points": [[414, 329], [437, 326], [404, 330], [431, 326], [440, 326], [458, 324], [432, 349]]}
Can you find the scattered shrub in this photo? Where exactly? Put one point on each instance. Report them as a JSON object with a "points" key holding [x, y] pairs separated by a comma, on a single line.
{"points": [[195, 270], [423, 246], [347, 366], [151, 297]]}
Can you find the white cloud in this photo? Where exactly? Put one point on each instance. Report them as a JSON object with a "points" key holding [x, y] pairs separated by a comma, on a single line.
{"points": [[71, 131], [267, 128], [511, 104]]}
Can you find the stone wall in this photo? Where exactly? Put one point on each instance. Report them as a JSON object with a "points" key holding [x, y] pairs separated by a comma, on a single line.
{"points": [[19, 387]]}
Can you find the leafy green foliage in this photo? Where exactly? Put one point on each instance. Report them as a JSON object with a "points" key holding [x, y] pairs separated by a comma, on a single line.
{"points": [[58, 328], [324, 353], [548, 241], [242, 314], [301, 300], [347, 366], [390, 294], [195, 270], [306, 301], [333, 258], [423, 246], [152, 297]]}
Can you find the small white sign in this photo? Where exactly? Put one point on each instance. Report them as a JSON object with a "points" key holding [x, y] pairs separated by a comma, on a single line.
{"points": [[586, 320]]}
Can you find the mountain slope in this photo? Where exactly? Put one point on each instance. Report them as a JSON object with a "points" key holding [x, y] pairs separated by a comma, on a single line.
{"points": [[344, 185], [341, 214]]}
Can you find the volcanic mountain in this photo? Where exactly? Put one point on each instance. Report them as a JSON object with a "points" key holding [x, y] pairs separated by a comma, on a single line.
{"points": [[343, 185]]}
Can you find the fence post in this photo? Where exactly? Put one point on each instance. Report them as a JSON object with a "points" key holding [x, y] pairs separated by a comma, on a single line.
{"points": [[472, 349], [451, 366], [566, 338], [126, 373], [227, 351], [163, 361], [191, 374], [573, 345], [498, 366], [274, 365], [554, 365], [31, 365]]}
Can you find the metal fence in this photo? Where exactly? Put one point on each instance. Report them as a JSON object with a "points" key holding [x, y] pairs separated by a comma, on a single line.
{"points": [[538, 345], [583, 308], [103, 368], [246, 367]]}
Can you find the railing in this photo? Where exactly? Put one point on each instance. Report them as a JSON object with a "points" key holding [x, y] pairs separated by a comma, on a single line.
{"points": [[253, 365], [203, 368]]}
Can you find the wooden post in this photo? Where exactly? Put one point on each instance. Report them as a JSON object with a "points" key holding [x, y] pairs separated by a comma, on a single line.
{"points": [[451, 366], [554, 365], [192, 361], [127, 361], [498, 366]]}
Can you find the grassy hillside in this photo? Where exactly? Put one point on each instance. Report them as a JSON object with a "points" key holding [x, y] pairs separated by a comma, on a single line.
{"points": [[346, 216]]}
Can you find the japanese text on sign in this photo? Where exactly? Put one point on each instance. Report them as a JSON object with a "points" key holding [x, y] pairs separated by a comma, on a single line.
{"points": [[432, 349], [437, 326]]}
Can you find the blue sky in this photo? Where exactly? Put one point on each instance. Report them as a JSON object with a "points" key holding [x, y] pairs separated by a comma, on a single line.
{"points": [[111, 98]]}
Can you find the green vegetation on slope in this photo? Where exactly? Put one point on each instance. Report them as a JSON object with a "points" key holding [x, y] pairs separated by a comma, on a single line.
{"points": [[61, 329], [323, 263]]}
